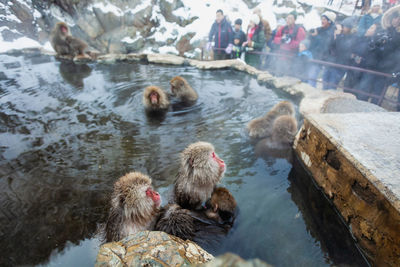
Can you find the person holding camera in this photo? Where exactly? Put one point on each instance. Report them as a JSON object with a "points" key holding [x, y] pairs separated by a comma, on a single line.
{"points": [[288, 38]]}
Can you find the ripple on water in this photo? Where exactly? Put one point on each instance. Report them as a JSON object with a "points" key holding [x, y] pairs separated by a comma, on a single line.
{"points": [[67, 132]]}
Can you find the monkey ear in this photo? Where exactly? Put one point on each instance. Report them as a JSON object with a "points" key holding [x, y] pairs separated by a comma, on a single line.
{"points": [[121, 200], [191, 162]]}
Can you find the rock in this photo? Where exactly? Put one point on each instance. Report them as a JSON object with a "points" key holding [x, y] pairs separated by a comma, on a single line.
{"points": [[209, 65], [355, 159], [165, 59], [111, 58], [315, 103], [302, 89], [232, 260], [108, 21], [264, 77], [12, 65], [151, 249], [349, 105], [284, 82]]}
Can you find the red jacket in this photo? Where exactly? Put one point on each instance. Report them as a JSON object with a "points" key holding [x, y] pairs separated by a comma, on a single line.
{"points": [[293, 46]]}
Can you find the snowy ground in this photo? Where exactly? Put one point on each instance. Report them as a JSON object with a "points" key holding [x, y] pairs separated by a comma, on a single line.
{"points": [[205, 10]]}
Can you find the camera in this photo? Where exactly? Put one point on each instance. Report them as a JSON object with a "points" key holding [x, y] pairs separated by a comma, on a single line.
{"points": [[286, 39], [380, 40]]}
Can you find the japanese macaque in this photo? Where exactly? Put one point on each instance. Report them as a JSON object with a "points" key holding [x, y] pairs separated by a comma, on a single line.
{"points": [[262, 127], [221, 207], [181, 89], [189, 224], [134, 206], [176, 221], [199, 172], [65, 44], [284, 129], [155, 99]]}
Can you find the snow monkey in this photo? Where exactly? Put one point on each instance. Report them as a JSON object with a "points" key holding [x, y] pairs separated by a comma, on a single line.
{"points": [[262, 127], [199, 172], [221, 207], [182, 90], [65, 44], [155, 99], [284, 129], [134, 206], [190, 224]]}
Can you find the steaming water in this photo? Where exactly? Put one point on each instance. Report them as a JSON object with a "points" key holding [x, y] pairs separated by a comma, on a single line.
{"points": [[67, 132]]}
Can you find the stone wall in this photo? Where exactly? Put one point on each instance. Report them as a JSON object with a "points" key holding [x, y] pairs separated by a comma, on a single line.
{"points": [[355, 159]]}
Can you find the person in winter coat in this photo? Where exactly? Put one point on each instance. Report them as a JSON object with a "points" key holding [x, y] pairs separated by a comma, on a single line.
{"points": [[239, 37], [222, 34], [341, 51], [383, 55], [288, 38], [264, 23], [302, 67], [321, 40], [255, 41], [373, 16]]}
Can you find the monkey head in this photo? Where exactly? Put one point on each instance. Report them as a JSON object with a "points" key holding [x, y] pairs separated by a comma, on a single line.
{"points": [[134, 194], [221, 207], [284, 108], [62, 29], [155, 98], [177, 85], [200, 158]]}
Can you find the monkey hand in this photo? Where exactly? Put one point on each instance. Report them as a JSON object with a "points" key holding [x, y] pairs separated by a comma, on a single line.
{"points": [[208, 46], [228, 50]]}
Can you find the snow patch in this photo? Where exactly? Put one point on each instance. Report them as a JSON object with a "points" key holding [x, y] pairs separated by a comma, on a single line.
{"points": [[106, 8], [19, 43]]}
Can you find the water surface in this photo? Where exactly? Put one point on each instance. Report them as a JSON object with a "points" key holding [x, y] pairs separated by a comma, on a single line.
{"points": [[67, 132]]}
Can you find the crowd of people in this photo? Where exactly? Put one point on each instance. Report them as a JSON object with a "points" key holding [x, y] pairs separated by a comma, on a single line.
{"points": [[370, 42]]}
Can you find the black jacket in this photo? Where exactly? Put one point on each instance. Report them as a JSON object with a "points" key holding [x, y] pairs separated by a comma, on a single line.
{"points": [[222, 34], [322, 43]]}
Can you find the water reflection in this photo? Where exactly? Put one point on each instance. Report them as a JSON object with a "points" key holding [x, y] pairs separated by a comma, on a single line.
{"points": [[61, 150], [74, 73]]}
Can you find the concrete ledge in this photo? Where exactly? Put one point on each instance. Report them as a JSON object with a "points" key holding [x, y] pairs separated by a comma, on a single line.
{"points": [[355, 158]]}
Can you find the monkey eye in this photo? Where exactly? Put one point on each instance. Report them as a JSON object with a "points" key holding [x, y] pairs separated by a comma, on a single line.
{"points": [[213, 154], [149, 192]]}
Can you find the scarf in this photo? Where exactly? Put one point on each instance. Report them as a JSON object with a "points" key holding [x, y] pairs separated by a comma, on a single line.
{"points": [[251, 33]]}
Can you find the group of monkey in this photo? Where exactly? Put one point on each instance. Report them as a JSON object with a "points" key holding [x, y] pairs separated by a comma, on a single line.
{"points": [[198, 203]]}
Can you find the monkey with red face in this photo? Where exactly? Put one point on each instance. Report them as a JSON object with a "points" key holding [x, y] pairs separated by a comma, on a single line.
{"points": [[65, 44], [134, 206], [199, 172], [155, 99]]}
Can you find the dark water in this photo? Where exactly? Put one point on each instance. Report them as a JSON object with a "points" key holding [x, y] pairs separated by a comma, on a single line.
{"points": [[68, 132]]}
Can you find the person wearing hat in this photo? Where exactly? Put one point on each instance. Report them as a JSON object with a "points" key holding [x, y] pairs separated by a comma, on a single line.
{"points": [[383, 55], [288, 38], [373, 16], [222, 34], [239, 37], [255, 41], [265, 24], [340, 53], [321, 40]]}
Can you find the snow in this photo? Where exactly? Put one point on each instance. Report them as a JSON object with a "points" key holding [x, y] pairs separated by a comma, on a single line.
{"points": [[48, 47], [19, 43], [106, 8]]}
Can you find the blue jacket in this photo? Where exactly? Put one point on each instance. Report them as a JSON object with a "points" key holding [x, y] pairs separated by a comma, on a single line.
{"points": [[365, 22], [222, 34]]}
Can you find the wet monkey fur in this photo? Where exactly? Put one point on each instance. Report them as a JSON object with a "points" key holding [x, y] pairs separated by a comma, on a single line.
{"points": [[65, 44], [181, 89], [284, 130], [199, 172], [221, 207], [218, 217], [262, 127], [155, 99], [134, 206]]}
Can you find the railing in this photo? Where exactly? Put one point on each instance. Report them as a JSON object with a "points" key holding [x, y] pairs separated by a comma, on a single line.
{"points": [[380, 97]]}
